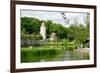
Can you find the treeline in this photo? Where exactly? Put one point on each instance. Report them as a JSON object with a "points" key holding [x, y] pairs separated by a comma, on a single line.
{"points": [[77, 32], [32, 26]]}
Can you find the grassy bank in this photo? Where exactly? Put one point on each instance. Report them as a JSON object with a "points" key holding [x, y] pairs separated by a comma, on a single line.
{"points": [[33, 54]]}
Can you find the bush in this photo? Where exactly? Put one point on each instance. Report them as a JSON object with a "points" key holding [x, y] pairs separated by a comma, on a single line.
{"points": [[29, 39], [31, 36], [69, 45], [86, 45]]}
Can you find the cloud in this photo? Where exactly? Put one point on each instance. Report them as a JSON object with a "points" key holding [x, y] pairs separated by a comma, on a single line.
{"points": [[54, 16]]}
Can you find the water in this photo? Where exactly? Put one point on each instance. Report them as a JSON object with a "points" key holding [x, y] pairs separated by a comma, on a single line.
{"points": [[68, 55], [65, 56]]}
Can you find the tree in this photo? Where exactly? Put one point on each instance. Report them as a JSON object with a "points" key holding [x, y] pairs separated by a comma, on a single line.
{"points": [[30, 25], [48, 23]]}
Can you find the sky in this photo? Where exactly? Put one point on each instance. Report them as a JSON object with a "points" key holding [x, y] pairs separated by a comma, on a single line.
{"points": [[56, 17]]}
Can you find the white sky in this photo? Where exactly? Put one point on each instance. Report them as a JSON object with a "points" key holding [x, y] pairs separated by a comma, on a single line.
{"points": [[55, 16]]}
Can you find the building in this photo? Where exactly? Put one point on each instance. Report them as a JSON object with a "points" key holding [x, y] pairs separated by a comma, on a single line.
{"points": [[43, 30]]}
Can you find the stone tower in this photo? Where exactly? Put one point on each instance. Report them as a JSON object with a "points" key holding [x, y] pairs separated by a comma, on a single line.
{"points": [[43, 30]]}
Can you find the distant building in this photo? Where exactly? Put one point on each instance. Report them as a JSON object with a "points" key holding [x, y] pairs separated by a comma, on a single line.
{"points": [[43, 30], [53, 37]]}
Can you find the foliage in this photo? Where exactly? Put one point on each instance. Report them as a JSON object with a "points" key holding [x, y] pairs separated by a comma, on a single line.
{"points": [[78, 32], [31, 36], [67, 38], [36, 53], [30, 25], [30, 39], [69, 46]]}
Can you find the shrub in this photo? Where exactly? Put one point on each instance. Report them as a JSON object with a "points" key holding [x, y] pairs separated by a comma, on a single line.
{"points": [[29, 39], [68, 45], [31, 36], [86, 45]]}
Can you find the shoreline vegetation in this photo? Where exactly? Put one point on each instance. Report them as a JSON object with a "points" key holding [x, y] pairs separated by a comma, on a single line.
{"points": [[60, 43], [42, 54]]}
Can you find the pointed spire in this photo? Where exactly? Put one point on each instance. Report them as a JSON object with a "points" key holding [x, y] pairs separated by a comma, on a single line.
{"points": [[43, 24]]}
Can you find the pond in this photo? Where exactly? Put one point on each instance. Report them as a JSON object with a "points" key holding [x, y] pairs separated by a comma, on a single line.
{"points": [[68, 55], [65, 56]]}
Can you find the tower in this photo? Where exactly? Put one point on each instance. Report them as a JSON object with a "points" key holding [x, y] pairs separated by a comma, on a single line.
{"points": [[43, 30]]}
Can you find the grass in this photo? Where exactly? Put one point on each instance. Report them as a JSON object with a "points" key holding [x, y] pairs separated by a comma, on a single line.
{"points": [[48, 51], [33, 54]]}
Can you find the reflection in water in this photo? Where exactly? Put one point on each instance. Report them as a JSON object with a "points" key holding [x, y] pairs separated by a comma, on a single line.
{"points": [[68, 55]]}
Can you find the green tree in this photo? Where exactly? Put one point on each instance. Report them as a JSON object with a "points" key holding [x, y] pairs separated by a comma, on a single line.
{"points": [[48, 23], [30, 25]]}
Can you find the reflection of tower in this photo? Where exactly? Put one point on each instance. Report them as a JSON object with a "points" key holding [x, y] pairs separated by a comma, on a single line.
{"points": [[43, 30]]}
